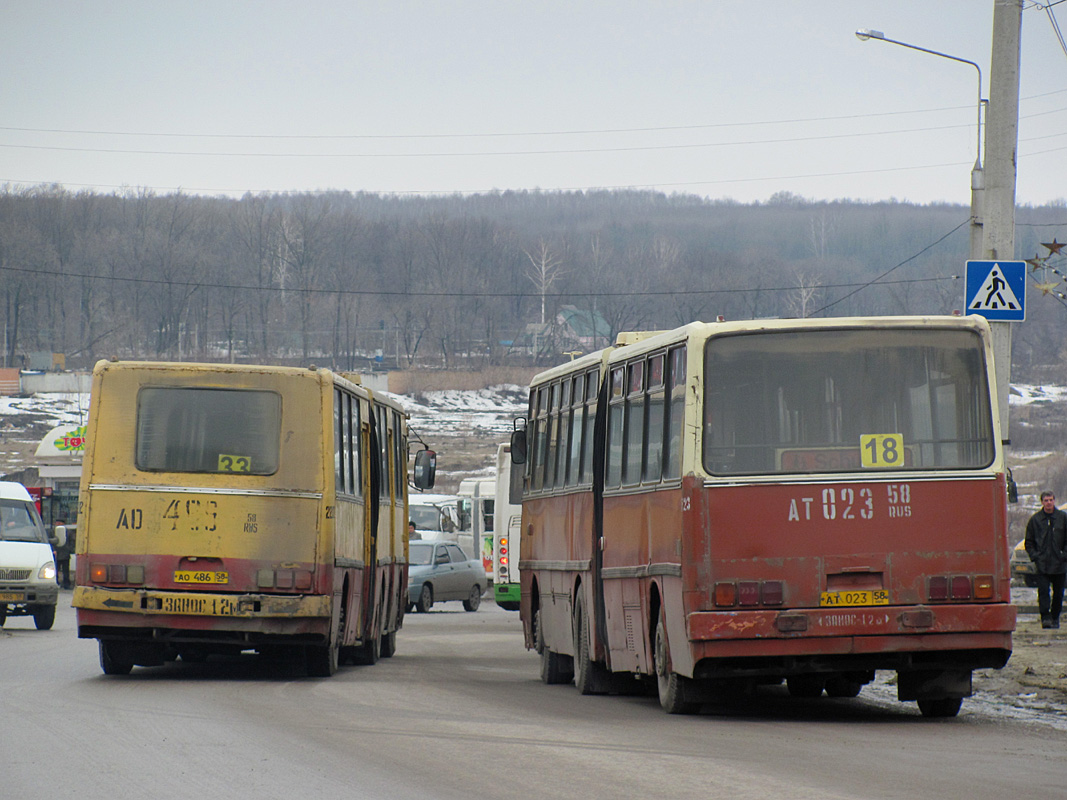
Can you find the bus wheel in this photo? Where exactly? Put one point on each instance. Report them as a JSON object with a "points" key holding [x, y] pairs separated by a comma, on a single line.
{"points": [[43, 617], [3, 614], [425, 602], [115, 658], [941, 707], [553, 665], [367, 653], [589, 677], [670, 685], [806, 685], [840, 686], [388, 647], [475, 599], [322, 660]]}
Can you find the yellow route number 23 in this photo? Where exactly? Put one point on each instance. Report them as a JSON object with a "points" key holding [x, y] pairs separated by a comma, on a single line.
{"points": [[882, 450]]}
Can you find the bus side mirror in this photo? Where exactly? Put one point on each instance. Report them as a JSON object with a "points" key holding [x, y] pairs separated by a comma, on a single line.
{"points": [[425, 469], [1013, 488], [518, 446]]}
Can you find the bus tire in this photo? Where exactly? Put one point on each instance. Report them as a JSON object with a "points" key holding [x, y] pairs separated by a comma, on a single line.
{"points": [[322, 660], [589, 677], [115, 658], [3, 614], [368, 653], [805, 685], [554, 667], [940, 707], [43, 617], [840, 686], [388, 647], [671, 687]]}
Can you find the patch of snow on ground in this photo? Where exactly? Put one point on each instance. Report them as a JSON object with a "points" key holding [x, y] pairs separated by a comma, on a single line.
{"points": [[1022, 394]]}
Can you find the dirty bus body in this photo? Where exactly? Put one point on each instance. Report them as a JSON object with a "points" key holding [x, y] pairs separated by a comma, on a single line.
{"points": [[730, 504], [228, 508]]}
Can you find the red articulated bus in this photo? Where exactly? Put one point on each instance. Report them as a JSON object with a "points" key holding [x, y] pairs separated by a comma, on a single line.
{"points": [[732, 504]]}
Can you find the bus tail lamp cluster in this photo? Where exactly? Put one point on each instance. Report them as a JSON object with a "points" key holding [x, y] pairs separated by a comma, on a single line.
{"points": [[728, 594], [503, 558], [283, 579], [947, 588], [131, 574]]}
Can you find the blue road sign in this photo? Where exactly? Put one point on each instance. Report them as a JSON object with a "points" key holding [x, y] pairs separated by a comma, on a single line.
{"points": [[996, 290]]}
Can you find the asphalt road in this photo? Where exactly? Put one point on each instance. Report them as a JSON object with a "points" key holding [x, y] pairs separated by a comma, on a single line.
{"points": [[459, 712]]}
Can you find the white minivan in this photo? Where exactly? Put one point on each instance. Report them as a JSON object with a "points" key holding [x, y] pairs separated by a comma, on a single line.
{"points": [[27, 566]]}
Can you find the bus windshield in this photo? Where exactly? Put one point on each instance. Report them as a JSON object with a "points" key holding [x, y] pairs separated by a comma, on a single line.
{"points": [[846, 400], [208, 430]]}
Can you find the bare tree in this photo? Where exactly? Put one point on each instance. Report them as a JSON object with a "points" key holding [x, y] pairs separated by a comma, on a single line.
{"points": [[544, 270]]}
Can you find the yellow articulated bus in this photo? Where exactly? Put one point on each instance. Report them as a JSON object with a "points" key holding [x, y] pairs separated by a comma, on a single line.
{"points": [[230, 508]]}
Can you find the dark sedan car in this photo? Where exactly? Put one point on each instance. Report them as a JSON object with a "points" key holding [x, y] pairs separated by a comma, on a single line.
{"points": [[439, 571]]}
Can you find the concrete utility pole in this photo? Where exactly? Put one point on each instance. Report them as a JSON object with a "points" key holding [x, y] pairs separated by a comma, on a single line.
{"points": [[997, 203]]}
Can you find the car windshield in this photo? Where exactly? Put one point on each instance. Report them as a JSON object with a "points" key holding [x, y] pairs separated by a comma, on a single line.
{"points": [[426, 518], [420, 554], [19, 523]]}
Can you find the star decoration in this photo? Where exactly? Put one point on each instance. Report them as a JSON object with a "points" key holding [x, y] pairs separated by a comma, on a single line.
{"points": [[1046, 288], [1055, 247], [1036, 263]]}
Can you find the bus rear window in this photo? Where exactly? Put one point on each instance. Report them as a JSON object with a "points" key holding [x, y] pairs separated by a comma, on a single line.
{"points": [[208, 430], [846, 401]]}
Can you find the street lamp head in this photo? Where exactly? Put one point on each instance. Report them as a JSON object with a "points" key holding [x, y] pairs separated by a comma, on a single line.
{"points": [[863, 34]]}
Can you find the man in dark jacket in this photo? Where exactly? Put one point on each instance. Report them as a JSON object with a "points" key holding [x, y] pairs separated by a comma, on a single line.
{"points": [[1046, 544]]}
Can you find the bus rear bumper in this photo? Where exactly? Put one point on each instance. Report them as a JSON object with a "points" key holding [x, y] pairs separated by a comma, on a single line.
{"points": [[104, 613], [858, 631]]}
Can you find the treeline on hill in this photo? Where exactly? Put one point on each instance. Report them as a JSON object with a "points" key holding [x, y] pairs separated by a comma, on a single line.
{"points": [[350, 280]]}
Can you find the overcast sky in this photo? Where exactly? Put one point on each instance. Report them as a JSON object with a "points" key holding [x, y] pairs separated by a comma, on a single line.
{"points": [[719, 98]]}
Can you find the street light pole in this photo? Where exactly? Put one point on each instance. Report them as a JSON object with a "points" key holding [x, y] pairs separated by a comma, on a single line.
{"points": [[993, 201], [977, 178]]}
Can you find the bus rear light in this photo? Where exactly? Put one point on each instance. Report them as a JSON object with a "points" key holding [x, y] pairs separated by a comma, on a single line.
{"points": [[265, 578], [135, 574], [302, 578], [748, 593], [98, 573], [983, 587], [725, 594], [937, 589], [283, 579], [116, 573], [961, 587], [772, 593], [503, 542]]}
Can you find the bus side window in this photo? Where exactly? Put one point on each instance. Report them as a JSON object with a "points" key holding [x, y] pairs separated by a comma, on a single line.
{"points": [[616, 429], [675, 412], [654, 437]]}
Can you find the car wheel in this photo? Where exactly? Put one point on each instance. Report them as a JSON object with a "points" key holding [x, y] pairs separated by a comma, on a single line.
{"points": [[43, 617], [425, 601], [3, 614], [474, 600]]}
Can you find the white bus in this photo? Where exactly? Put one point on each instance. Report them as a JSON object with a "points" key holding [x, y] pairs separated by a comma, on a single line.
{"points": [[507, 527]]}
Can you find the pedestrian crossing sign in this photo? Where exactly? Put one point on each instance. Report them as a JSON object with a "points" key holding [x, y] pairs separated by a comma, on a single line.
{"points": [[996, 290]]}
